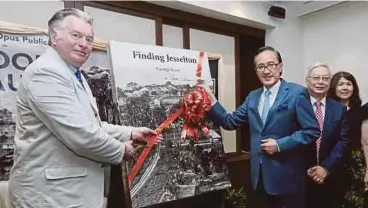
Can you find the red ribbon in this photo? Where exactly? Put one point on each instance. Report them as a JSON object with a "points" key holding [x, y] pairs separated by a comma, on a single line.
{"points": [[151, 141], [194, 105]]}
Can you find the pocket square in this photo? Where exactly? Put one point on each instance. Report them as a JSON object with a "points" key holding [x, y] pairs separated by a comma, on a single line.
{"points": [[282, 106]]}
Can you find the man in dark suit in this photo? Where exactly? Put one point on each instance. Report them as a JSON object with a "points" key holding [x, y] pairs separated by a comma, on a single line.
{"points": [[281, 123], [325, 176]]}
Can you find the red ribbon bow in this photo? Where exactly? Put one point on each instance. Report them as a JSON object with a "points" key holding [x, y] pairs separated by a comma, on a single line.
{"points": [[196, 104]]}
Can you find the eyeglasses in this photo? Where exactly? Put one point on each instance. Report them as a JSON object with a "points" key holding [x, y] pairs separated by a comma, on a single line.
{"points": [[79, 36], [269, 66], [318, 78]]}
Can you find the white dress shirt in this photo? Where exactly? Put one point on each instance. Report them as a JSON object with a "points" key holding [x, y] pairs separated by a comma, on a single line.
{"points": [[274, 90], [323, 106]]}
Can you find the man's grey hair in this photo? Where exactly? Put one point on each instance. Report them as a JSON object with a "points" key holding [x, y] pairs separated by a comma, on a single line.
{"points": [[55, 22], [317, 65]]}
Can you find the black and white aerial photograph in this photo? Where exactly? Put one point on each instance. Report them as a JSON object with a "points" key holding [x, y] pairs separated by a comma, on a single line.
{"points": [[175, 168]]}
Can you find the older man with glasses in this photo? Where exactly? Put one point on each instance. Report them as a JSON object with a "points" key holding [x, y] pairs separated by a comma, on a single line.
{"points": [[325, 156], [62, 146]]}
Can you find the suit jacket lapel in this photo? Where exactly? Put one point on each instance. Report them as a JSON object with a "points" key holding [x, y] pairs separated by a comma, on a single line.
{"points": [[57, 59], [283, 91], [85, 88], [78, 83], [91, 99], [329, 112], [254, 105]]}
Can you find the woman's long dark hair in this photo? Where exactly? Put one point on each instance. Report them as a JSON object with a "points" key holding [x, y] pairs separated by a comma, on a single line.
{"points": [[354, 100]]}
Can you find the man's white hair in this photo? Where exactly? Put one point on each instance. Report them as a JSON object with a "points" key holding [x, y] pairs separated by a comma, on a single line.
{"points": [[55, 22], [317, 65]]}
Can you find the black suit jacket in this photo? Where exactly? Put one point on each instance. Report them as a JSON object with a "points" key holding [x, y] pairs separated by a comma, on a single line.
{"points": [[334, 141]]}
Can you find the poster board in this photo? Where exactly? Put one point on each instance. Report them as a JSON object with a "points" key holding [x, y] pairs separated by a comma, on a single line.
{"points": [[149, 82]]}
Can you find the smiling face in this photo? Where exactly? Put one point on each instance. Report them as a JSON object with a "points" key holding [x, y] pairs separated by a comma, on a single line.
{"points": [[344, 89], [318, 81], [73, 40], [268, 68]]}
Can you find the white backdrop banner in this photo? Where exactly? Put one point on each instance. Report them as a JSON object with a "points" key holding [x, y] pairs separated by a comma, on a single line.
{"points": [[16, 53]]}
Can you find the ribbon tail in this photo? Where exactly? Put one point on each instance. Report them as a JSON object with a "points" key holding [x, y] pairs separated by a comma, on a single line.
{"points": [[183, 134], [205, 130], [196, 134], [199, 65], [191, 133]]}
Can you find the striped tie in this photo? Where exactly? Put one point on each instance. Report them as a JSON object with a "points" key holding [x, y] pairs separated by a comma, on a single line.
{"points": [[319, 116]]}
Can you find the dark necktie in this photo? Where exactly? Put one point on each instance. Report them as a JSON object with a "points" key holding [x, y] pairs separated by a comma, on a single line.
{"points": [[78, 74]]}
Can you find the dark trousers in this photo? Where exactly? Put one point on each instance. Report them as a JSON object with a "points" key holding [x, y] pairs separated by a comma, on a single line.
{"points": [[261, 199], [327, 195]]}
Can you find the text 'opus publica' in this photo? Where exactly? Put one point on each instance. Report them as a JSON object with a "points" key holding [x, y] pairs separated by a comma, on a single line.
{"points": [[162, 58], [25, 39]]}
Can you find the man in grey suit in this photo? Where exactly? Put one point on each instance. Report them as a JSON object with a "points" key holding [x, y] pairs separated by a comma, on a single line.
{"points": [[62, 146]]}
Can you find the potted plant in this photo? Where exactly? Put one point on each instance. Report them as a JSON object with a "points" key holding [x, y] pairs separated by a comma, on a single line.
{"points": [[235, 198]]}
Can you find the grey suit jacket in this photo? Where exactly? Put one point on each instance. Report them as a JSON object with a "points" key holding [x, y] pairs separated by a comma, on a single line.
{"points": [[61, 143]]}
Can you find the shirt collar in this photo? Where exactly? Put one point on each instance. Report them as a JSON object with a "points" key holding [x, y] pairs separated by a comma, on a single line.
{"points": [[73, 68], [274, 89], [314, 100]]}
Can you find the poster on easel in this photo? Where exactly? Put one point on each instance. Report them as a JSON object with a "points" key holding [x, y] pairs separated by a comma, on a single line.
{"points": [[148, 84]]}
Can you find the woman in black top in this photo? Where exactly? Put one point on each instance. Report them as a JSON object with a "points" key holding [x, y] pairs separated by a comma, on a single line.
{"points": [[344, 89]]}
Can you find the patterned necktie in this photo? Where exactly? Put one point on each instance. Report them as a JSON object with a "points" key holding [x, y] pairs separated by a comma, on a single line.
{"points": [[78, 74], [266, 106], [319, 116]]}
